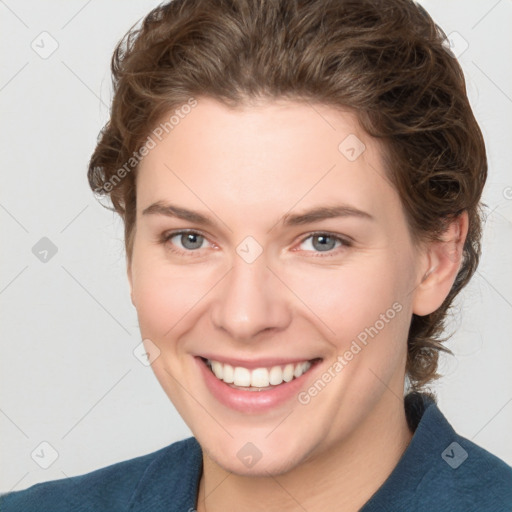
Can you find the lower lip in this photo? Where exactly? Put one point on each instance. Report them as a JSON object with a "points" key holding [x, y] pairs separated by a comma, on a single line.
{"points": [[252, 401]]}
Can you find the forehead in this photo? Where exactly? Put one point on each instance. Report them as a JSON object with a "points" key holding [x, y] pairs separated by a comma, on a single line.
{"points": [[265, 157]]}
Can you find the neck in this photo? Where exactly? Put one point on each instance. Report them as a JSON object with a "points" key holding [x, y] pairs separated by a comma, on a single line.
{"points": [[344, 476]]}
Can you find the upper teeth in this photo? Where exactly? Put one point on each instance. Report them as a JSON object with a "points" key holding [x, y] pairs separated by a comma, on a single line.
{"points": [[258, 377]]}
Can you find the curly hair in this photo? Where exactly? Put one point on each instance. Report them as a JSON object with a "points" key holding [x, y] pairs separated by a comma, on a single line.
{"points": [[385, 60]]}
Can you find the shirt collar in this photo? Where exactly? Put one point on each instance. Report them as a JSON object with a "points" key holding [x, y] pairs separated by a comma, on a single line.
{"points": [[422, 458]]}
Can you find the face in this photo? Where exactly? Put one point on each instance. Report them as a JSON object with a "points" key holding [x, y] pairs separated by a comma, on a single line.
{"points": [[270, 246]]}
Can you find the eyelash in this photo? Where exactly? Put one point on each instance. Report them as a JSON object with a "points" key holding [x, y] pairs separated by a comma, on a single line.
{"points": [[345, 242]]}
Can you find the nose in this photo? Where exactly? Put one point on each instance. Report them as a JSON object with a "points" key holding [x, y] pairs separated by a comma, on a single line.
{"points": [[250, 300]]}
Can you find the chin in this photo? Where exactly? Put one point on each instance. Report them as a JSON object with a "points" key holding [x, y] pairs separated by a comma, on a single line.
{"points": [[279, 464], [258, 455]]}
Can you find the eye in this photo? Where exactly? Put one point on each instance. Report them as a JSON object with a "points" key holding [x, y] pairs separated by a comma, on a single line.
{"points": [[184, 241], [189, 242], [323, 242]]}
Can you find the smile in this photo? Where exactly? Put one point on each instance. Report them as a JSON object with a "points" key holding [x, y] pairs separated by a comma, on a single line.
{"points": [[257, 379], [248, 385]]}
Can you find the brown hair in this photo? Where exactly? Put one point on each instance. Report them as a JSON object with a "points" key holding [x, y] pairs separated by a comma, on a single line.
{"points": [[383, 59]]}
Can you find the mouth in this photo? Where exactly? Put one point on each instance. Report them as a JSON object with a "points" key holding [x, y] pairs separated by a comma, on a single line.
{"points": [[264, 378]]}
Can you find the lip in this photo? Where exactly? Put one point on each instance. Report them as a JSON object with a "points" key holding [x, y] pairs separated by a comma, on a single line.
{"points": [[253, 401]]}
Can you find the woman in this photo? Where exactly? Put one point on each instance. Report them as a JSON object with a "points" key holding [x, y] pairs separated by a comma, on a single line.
{"points": [[300, 186]]}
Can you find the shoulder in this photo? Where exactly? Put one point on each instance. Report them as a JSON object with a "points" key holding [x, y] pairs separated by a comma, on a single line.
{"points": [[471, 477], [443, 471], [116, 487]]}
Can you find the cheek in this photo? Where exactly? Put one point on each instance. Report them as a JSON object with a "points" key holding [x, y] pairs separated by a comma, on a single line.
{"points": [[350, 298], [164, 296]]}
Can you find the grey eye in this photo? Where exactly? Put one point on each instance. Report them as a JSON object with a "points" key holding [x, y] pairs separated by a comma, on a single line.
{"points": [[190, 241], [324, 242], [320, 243]]}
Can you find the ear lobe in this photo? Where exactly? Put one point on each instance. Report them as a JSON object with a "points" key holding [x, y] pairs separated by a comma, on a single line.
{"points": [[444, 258]]}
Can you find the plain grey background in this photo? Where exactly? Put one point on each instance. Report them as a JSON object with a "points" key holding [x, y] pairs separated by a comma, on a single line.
{"points": [[69, 377]]}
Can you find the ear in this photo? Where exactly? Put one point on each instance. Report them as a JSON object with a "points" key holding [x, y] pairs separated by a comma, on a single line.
{"points": [[130, 278], [442, 262]]}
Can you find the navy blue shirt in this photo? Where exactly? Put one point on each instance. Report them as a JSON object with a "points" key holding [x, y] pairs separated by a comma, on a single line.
{"points": [[439, 472]]}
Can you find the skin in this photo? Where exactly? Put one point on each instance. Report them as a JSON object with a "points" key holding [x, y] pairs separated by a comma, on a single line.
{"points": [[246, 169]]}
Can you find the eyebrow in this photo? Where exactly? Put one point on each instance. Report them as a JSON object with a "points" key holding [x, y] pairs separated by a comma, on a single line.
{"points": [[324, 212], [307, 217]]}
